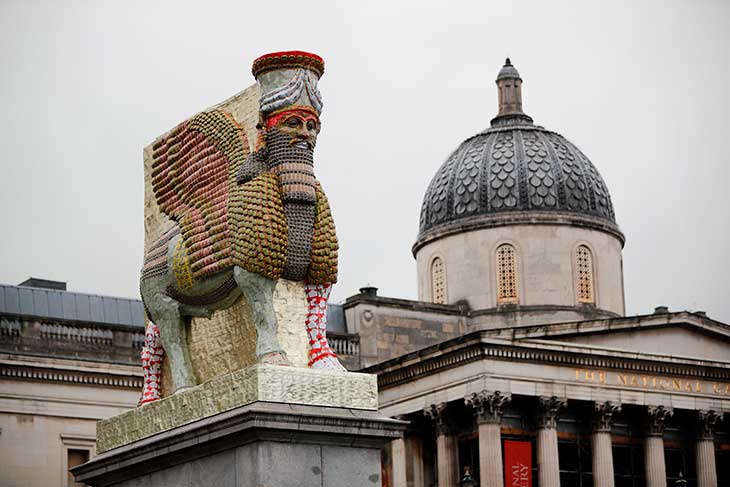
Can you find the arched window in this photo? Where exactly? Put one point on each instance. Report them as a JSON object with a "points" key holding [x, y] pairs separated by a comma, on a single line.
{"points": [[584, 273], [507, 274], [438, 281]]}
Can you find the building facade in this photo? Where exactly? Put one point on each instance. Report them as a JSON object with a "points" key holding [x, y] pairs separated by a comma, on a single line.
{"points": [[517, 364], [66, 360]]}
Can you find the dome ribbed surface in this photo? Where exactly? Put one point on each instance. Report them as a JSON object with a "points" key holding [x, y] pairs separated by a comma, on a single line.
{"points": [[519, 168]]}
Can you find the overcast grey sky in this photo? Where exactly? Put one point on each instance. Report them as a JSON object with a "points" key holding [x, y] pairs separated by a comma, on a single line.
{"points": [[641, 87]]}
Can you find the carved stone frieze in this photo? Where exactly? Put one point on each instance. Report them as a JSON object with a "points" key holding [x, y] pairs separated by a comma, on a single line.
{"points": [[488, 406], [658, 416], [708, 422], [550, 407], [603, 414], [437, 414], [269, 383]]}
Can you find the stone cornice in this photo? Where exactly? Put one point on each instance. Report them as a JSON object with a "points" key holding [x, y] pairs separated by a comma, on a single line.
{"points": [[684, 319], [408, 304], [88, 324], [478, 346], [44, 369], [480, 222]]}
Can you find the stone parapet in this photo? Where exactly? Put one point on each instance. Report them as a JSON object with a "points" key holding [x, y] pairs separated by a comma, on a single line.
{"points": [[266, 383]]}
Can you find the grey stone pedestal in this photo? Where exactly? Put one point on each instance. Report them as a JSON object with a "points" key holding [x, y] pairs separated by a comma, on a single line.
{"points": [[262, 444]]}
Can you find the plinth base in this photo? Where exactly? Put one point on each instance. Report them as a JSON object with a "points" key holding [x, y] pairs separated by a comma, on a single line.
{"points": [[261, 444], [268, 383]]}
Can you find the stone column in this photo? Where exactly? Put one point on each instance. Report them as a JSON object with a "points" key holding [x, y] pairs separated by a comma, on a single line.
{"points": [[548, 468], [488, 409], [705, 449], [654, 467], [414, 461], [447, 459], [602, 451], [398, 453]]}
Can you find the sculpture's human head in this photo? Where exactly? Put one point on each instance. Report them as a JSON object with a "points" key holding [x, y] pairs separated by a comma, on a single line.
{"points": [[289, 110], [290, 100], [300, 124]]}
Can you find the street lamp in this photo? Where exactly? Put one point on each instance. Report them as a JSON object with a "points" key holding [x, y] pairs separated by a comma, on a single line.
{"points": [[467, 480]]}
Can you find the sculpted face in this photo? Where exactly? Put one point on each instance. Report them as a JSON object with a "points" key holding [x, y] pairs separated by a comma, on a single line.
{"points": [[301, 125], [290, 139]]}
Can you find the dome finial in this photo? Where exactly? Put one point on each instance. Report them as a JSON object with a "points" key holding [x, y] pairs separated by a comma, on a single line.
{"points": [[509, 92]]}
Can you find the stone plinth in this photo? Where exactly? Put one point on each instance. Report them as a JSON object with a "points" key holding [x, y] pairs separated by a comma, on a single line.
{"points": [[260, 444], [263, 383]]}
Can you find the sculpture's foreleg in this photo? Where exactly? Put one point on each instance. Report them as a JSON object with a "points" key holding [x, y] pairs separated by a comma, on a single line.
{"points": [[259, 292], [321, 355], [152, 354], [165, 313]]}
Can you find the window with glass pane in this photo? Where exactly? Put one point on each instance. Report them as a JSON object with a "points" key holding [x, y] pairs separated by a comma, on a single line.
{"points": [[507, 274], [574, 458], [628, 465], [680, 460], [438, 281]]}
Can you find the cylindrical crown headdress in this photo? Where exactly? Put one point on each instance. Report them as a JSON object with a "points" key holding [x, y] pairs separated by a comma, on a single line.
{"points": [[288, 79]]}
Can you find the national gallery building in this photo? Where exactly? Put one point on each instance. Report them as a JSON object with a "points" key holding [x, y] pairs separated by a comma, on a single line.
{"points": [[518, 363], [516, 366]]}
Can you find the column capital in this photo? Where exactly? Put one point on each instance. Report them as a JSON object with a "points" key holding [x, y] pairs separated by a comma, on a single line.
{"points": [[437, 414], [550, 407], [708, 422], [488, 406], [603, 415], [658, 416]]}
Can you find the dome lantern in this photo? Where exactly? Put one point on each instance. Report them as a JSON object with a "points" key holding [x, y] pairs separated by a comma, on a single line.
{"points": [[509, 95]]}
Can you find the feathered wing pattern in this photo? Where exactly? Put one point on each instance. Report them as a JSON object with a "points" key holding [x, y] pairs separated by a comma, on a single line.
{"points": [[193, 172]]}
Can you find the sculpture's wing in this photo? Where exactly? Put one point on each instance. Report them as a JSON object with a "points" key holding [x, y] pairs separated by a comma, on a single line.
{"points": [[193, 169]]}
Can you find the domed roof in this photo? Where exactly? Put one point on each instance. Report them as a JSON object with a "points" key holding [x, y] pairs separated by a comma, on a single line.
{"points": [[513, 172]]}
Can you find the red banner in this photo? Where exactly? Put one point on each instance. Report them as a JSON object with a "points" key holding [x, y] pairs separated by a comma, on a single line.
{"points": [[517, 463]]}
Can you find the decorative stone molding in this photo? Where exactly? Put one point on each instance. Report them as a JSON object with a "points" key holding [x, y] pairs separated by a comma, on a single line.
{"points": [[708, 422], [550, 407], [477, 350], [71, 376], [658, 416], [488, 406], [437, 414], [603, 416]]}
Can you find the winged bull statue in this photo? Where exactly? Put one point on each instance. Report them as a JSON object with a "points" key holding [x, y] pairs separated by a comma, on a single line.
{"points": [[240, 220]]}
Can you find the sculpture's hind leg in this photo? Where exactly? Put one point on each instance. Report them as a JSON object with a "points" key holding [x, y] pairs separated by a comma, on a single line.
{"points": [[165, 313], [321, 355], [259, 292]]}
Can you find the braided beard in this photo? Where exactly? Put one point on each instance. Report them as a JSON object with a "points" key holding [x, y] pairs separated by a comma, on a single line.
{"points": [[295, 167]]}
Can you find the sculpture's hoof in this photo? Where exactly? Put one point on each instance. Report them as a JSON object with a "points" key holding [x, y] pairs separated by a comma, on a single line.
{"points": [[147, 400], [328, 362], [275, 358]]}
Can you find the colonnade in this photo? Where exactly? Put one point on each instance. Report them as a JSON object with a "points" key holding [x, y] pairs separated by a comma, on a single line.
{"points": [[488, 408]]}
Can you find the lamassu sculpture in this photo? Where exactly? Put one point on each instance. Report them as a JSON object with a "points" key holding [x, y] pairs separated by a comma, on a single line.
{"points": [[240, 221]]}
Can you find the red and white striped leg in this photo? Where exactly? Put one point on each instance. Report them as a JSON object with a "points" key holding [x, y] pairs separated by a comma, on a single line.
{"points": [[152, 354], [321, 355]]}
